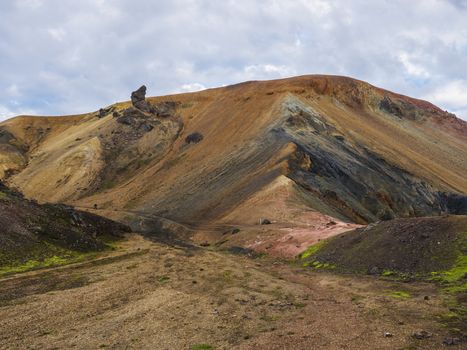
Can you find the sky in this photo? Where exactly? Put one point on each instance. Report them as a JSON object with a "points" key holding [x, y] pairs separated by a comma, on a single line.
{"points": [[66, 56]]}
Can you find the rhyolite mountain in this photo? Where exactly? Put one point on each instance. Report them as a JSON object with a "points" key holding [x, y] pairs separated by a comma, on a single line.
{"points": [[282, 149]]}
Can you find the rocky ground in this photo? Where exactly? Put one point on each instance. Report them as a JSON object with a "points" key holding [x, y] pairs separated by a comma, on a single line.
{"points": [[148, 295]]}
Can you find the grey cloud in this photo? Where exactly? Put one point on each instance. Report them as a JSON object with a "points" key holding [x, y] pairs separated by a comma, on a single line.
{"points": [[64, 56]]}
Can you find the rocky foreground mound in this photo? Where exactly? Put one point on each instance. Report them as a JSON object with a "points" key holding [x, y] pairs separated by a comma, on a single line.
{"points": [[33, 234], [412, 247]]}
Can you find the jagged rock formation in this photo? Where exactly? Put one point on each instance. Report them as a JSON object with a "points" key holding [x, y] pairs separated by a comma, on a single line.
{"points": [[138, 99]]}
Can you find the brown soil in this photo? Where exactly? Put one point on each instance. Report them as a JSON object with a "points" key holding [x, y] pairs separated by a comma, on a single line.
{"points": [[147, 295]]}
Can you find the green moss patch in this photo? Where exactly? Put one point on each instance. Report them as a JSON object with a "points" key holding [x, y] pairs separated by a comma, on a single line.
{"points": [[65, 257], [457, 274], [312, 250], [399, 294]]}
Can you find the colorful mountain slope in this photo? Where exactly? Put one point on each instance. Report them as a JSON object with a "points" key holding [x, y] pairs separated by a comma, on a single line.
{"points": [[353, 152]]}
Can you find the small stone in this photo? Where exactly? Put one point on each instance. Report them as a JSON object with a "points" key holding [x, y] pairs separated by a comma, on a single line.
{"points": [[194, 138], [147, 127], [451, 341], [265, 222], [422, 335]]}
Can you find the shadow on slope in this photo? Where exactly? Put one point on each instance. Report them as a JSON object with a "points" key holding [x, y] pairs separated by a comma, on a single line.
{"points": [[34, 235]]}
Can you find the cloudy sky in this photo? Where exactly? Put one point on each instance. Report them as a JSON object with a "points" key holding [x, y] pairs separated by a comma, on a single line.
{"points": [[68, 56]]}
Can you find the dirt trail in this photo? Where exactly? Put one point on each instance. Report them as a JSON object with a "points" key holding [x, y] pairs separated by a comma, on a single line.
{"points": [[149, 295]]}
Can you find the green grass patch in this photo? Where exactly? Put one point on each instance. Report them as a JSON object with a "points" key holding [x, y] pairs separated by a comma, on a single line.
{"points": [[399, 294], [387, 273], [312, 250], [45, 255], [163, 279], [52, 261], [456, 274], [227, 275]]}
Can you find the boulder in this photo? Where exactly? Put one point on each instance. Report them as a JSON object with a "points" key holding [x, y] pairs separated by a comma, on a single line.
{"points": [[138, 95], [130, 116], [422, 335], [194, 137], [138, 99], [164, 109], [104, 111]]}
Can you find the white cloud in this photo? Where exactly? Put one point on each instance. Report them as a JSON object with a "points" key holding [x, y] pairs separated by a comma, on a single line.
{"points": [[411, 67], [6, 113], [191, 87], [97, 51], [57, 33], [317, 7], [13, 90], [453, 94], [265, 71]]}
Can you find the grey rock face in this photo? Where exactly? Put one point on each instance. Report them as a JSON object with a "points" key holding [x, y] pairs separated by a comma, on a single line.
{"points": [[138, 99]]}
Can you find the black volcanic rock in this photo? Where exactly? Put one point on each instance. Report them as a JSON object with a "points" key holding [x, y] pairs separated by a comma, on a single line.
{"points": [[138, 95], [30, 229], [138, 99], [194, 138]]}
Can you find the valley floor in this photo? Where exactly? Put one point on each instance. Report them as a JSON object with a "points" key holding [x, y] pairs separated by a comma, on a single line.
{"points": [[148, 295]]}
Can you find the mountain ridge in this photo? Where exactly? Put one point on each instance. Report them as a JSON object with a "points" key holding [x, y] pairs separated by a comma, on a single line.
{"points": [[347, 144]]}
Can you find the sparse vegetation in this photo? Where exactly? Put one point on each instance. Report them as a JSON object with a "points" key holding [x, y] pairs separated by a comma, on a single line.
{"points": [[399, 294], [163, 279], [201, 347], [312, 250]]}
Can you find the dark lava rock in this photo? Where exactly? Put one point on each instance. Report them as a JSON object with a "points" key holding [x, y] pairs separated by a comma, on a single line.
{"points": [[266, 222], [138, 99], [124, 120], [387, 105], [451, 341], [104, 112], [194, 138], [130, 116], [163, 109], [422, 335], [138, 95], [454, 203], [147, 127]]}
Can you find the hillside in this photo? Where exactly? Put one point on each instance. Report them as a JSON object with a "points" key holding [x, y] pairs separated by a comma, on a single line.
{"points": [[287, 214], [35, 235], [350, 152]]}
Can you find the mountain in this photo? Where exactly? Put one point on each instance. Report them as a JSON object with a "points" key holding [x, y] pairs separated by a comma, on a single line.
{"points": [[260, 210], [295, 151]]}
